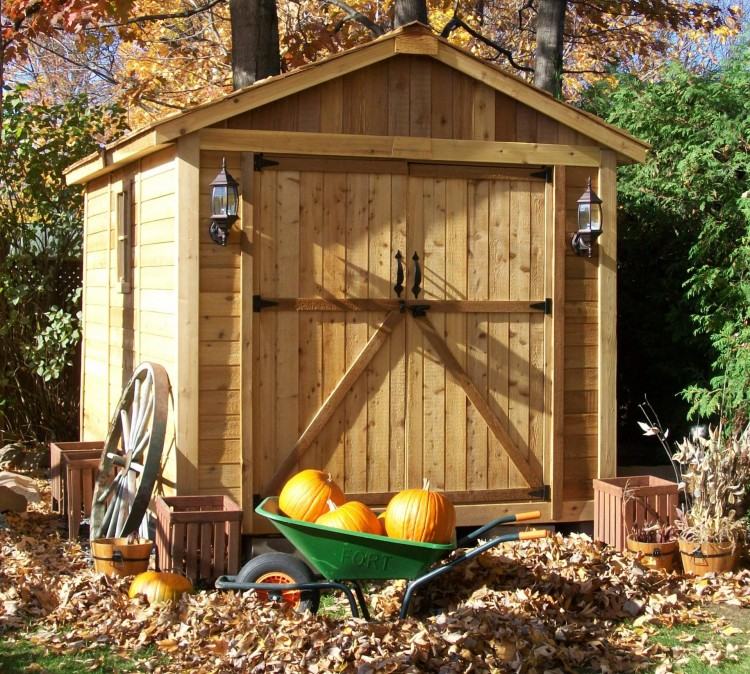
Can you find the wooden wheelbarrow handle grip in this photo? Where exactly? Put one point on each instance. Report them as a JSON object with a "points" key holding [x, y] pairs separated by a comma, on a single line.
{"points": [[534, 533], [533, 515]]}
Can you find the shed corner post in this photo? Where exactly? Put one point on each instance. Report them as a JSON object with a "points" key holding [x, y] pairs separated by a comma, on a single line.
{"points": [[185, 389], [607, 295], [247, 336]]}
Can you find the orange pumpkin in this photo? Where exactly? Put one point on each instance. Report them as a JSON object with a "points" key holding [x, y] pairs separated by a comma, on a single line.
{"points": [[352, 516], [420, 515], [305, 496], [381, 524], [159, 586]]}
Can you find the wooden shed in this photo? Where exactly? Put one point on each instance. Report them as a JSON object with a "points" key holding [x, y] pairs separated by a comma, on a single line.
{"points": [[290, 347]]}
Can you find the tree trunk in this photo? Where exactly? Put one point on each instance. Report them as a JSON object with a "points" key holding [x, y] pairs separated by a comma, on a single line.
{"points": [[410, 10], [255, 41], [550, 22]]}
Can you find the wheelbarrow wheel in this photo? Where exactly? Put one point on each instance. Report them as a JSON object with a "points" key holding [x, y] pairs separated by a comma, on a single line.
{"points": [[281, 568]]}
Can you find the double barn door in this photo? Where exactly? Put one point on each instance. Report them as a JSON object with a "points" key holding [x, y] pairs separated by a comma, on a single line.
{"points": [[443, 381]]}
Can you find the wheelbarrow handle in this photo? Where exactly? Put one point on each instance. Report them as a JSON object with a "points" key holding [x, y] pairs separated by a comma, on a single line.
{"points": [[472, 537], [533, 533]]}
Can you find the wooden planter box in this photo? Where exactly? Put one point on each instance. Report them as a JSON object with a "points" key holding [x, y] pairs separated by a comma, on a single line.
{"points": [[198, 536], [613, 520], [58, 452]]}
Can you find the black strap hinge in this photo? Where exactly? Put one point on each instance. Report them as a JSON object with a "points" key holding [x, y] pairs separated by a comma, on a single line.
{"points": [[260, 162], [545, 306], [545, 173], [540, 493], [259, 303]]}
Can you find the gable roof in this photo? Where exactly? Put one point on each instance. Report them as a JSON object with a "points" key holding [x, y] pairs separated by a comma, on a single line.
{"points": [[414, 39]]}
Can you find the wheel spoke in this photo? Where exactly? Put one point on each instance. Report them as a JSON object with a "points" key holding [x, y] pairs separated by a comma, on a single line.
{"points": [[141, 445], [135, 407], [145, 407], [116, 459], [115, 505], [125, 423], [103, 496], [137, 467]]}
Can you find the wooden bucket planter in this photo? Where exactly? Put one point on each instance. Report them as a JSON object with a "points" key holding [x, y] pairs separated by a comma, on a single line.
{"points": [[655, 555], [198, 536], [117, 557], [613, 518], [702, 558]]}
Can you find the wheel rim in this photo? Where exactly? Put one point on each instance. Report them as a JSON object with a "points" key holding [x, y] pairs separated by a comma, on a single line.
{"points": [[291, 598], [131, 457]]}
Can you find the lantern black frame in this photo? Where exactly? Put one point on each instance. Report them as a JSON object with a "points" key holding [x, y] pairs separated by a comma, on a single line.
{"points": [[583, 240], [222, 222]]}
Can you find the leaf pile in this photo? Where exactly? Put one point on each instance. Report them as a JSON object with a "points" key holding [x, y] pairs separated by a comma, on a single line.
{"points": [[551, 606]]}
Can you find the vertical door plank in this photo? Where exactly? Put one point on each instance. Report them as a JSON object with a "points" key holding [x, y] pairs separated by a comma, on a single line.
{"points": [[518, 385], [537, 408], [378, 381], [287, 323], [266, 450], [455, 333], [397, 345], [331, 438], [434, 370], [476, 339], [499, 288], [414, 341], [357, 247], [310, 322]]}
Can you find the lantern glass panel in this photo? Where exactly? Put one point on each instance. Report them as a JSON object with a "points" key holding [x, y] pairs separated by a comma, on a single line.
{"points": [[219, 200], [596, 218], [232, 200], [584, 217]]}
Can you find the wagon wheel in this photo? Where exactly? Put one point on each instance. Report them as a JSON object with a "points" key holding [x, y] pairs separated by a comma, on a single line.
{"points": [[131, 456]]}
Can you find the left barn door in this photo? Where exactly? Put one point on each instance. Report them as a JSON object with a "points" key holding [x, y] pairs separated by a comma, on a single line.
{"points": [[328, 351]]}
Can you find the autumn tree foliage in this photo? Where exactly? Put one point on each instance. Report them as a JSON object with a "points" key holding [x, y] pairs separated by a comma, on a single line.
{"points": [[159, 56]]}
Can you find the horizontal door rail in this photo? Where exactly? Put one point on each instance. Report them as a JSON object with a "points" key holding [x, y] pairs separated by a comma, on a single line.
{"points": [[434, 306], [483, 496]]}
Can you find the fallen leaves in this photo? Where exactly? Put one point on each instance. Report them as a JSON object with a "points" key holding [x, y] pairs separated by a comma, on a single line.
{"points": [[552, 605]]}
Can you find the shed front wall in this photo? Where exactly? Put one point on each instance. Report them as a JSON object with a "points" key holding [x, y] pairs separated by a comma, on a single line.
{"points": [[122, 329], [408, 95]]}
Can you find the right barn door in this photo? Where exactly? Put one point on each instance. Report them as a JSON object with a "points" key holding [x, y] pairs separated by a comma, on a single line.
{"points": [[476, 385]]}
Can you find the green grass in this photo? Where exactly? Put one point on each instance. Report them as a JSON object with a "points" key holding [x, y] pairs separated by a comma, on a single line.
{"points": [[21, 656], [693, 638]]}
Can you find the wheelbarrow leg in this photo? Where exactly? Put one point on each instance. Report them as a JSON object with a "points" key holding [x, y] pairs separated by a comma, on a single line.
{"points": [[361, 599]]}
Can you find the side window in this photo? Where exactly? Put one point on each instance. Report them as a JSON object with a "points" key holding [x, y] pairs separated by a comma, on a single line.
{"points": [[124, 243]]}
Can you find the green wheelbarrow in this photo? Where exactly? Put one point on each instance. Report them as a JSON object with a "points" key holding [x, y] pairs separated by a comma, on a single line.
{"points": [[342, 559]]}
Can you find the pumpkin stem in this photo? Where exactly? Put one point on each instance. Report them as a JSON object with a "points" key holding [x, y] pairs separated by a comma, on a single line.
{"points": [[425, 484], [331, 506]]}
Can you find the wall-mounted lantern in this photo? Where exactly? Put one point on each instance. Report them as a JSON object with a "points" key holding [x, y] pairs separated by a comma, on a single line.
{"points": [[225, 199], [589, 222]]}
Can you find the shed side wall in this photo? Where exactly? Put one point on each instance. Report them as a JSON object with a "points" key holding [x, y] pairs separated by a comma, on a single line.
{"points": [[123, 329]]}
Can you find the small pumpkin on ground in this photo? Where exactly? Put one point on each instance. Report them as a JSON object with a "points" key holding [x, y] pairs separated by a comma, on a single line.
{"points": [[159, 586], [420, 515], [351, 516], [305, 496]]}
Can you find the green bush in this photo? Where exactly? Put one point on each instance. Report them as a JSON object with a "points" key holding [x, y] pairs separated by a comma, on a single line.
{"points": [[685, 247], [40, 262]]}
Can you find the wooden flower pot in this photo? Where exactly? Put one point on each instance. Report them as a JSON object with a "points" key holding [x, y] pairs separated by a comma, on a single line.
{"points": [[702, 558], [117, 557], [655, 555]]}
